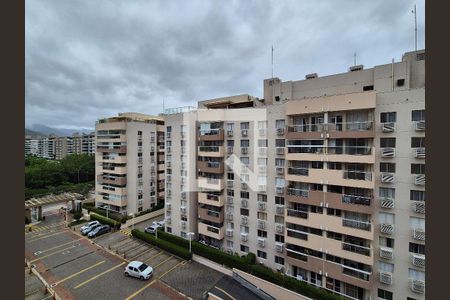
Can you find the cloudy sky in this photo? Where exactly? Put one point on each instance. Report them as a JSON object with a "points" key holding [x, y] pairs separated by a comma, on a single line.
{"points": [[90, 59]]}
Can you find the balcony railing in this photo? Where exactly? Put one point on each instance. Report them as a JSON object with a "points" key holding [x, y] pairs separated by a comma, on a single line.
{"points": [[213, 164], [354, 199], [297, 213], [297, 192], [356, 249], [350, 150], [306, 128], [208, 148], [209, 131], [350, 126], [357, 175], [306, 149], [298, 171], [363, 225]]}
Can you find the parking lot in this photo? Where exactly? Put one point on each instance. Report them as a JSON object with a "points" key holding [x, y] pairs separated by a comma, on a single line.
{"points": [[81, 268]]}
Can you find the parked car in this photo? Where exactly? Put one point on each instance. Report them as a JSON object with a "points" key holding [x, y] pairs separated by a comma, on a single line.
{"points": [[92, 223], [90, 228], [139, 270], [99, 231], [152, 228], [160, 223]]}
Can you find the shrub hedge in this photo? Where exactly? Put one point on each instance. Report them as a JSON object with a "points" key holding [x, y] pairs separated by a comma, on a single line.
{"points": [[105, 220], [163, 244], [111, 215]]}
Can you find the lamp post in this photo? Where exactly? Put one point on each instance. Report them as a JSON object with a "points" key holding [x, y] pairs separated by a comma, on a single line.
{"points": [[190, 234]]}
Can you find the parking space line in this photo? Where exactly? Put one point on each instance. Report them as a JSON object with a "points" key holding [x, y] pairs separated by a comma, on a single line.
{"points": [[131, 258], [53, 253], [78, 273], [161, 252], [98, 275], [153, 281], [46, 236], [46, 250], [225, 292], [138, 246], [162, 262], [48, 297]]}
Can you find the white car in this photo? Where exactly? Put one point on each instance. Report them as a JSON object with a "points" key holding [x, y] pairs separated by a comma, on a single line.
{"points": [[159, 223], [88, 225], [139, 270], [152, 229]]}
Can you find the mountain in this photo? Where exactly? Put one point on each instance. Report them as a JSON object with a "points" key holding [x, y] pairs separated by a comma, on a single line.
{"points": [[33, 133], [58, 131]]}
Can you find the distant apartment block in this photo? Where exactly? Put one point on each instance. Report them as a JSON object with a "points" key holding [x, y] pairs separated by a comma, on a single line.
{"points": [[328, 186], [55, 147], [129, 163]]}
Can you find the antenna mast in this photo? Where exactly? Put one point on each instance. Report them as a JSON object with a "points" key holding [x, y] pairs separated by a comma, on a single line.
{"points": [[415, 27], [273, 96]]}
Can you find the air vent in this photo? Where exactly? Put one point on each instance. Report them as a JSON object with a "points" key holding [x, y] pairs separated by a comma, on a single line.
{"points": [[355, 68], [311, 76]]}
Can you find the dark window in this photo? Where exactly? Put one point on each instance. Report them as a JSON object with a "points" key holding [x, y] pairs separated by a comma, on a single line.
{"points": [[418, 115], [230, 176], [368, 88], [387, 142], [244, 212], [139, 132], [387, 167], [417, 142], [417, 168], [317, 164], [279, 260], [280, 143], [244, 248], [383, 294], [419, 56], [262, 254], [277, 98], [417, 248], [262, 233], [169, 229], [333, 212], [417, 195], [388, 117], [334, 165], [400, 82], [279, 238], [279, 200]]}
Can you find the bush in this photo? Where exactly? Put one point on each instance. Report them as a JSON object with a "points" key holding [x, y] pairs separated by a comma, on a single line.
{"points": [[105, 220], [220, 257], [111, 215], [173, 239], [165, 245], [73, 223]]}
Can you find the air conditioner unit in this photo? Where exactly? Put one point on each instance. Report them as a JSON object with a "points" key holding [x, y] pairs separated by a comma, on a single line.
{"points": [[280, 150], [419, 207], [261, 242], [244, 203], [243, 186], [168, 164], [183, 134], [168, 220], [244, 237], [262, 169], [279, 209], [229, 233], [385, 277], [388, 127], [387, 152], [230, 183], [420, 152], [280, 170], [230, 217], [229, 251], [168, 206], [280, 131], [244, 150], [183, 225], [386, 202], [230, 200], [417, 286], [244, 132], [279, 190], [419, 125], [418, 234], [387, 177], [279, 228], [386, 228], [419, 179], [279, 247], [183, 210], [229, 150], [183, 196], [418, 260], [169, 149], [244, 220], [261, 206], [386, 253], [261, 224], [230, 133]]}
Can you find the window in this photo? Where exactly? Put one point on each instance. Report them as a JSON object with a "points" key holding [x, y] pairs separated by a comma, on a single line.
{"points": [[169, 129], [262, 233], [279, 260], [279, 219], [245, 195], [262, 215], [230, 143], [386, 242], [386, 218], [317, 164], [229, 244], [420, 56], [401, 82], [139, 133], [416, 248], [245, 125], [262, 143], [280, 143], [230, 176], [169, 229], [262, 197], [245, 143], [230, 126], [244, 212], [387, 167], [316, 278], [417, 223], [417, 195], [385, 267], [417, 142], [279, 182], [262, 124], [230, 193], [417, 275], [387, 142], [418, 115], [280, 124], [387, 193], [417, 168], [388, 117], [368, 88], [262, 254], [279, 238], [245, 161], [262, 161], [279, 162], [279, 200], [244, 249], [333, 212], [277, 98], [385, 294], [334, 165]]}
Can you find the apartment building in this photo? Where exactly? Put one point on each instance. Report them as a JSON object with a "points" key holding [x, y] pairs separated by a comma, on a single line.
{"points": [[328, 186], [129, 162]]}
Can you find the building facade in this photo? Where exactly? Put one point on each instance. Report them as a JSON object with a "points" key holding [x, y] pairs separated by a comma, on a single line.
{"points": [[323, 179], [129, 163]]}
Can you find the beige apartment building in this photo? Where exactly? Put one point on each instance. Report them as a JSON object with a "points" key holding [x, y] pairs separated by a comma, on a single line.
{"points": [[323, 179], [129, 163]]}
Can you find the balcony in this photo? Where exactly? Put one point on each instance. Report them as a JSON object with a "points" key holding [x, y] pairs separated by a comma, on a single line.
{"points": [[355, 199], [418, 207], [358, 179], [297, 213], [385, 277], [387, 228], [387, 202], [114, 149], [210, 167], [419, 179], [362, 129], [388, 127], [387, 152], [418, 234], [211, 135], [387, 177], [362, 250], [211, 215], [418, 260], [419, 152], [307, 131], [101, 179], [417, 286], [363, 225], [387, 253], [261, 242], [211, 231], [213, 184], [211, 151], [244, 220], [419, 125]]}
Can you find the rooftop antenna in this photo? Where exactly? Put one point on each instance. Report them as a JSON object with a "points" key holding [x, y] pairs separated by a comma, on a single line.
{"points": [[273, 96], [163, 106], [415, 27], [354, 59]]}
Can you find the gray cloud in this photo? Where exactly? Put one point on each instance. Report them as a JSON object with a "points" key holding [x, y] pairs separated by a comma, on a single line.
{"points": [[86, 60]]}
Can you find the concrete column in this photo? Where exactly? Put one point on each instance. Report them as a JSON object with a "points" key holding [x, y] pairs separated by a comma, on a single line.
{"points": [[39, 212]]}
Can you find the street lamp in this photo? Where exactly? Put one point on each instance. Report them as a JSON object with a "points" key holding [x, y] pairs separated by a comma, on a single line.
{"points": [[190, 234]]}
